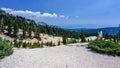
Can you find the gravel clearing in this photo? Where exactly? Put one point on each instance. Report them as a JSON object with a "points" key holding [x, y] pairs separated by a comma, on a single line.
{"points": [[70, 56]]}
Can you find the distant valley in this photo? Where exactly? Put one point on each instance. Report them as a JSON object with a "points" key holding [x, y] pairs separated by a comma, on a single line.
{"points": [[110, 30]]}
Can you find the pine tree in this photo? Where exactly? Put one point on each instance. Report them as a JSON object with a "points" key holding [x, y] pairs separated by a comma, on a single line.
{"points": [[24, 34], [58, 42], [50, 44], [64, 38], [15, 43], [10, 28], [24, 45], [114, 39], [82, 37], [24, 28], [16, 28], [1, 25], [30, 32], [41, 45]]}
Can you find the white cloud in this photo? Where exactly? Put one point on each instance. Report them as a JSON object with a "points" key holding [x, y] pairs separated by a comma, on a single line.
{"points": [[54, 15], [30, 14], [62, 16]]}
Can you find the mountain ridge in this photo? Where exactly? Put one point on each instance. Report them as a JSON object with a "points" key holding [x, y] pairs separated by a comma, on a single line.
{"points": [[110, 30]]}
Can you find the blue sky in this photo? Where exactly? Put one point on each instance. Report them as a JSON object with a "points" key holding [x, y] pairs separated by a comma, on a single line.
{"points": [[67, 13]]}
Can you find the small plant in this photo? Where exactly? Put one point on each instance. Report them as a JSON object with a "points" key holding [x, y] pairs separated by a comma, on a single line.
{"points": [[24, 45], [73, 40], [58, 42], [64, 38]]}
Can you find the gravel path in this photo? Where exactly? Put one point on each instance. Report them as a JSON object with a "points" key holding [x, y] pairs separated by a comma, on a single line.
{"points": [[71, 56]]}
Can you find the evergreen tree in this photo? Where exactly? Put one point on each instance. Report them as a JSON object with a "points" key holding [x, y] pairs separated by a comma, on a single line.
{"points": [[15, 43], [1, 24], [58, 42], [24, 28], [16, 28], [24, 34], [30, 32], [9, 29], [107, 36], [114, 39], [50, 44], [82, 37], [64, 38], [24, 45]]}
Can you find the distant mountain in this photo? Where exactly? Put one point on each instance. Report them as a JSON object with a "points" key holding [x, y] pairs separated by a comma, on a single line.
{"points": [[110, 30]]}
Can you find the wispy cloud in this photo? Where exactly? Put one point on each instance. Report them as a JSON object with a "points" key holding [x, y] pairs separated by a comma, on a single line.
{"points": [[31, 14], [62, 16]]}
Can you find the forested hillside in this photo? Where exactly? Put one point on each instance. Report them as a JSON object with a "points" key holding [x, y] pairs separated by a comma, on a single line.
{"points": [[16, 26]]}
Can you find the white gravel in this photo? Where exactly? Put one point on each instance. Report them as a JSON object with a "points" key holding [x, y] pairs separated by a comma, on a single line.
{"points": [[59, 57]]}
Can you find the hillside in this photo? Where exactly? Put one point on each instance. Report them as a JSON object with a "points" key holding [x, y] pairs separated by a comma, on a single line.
{"points": [[26, 33], [20, 27]]}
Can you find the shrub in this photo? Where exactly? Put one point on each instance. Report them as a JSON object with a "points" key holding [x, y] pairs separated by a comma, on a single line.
{"points": [[19, 44], [107, 47], [73, 41], [5, 49], [58, 43], [37, 45], [53, 45], [64, 39], [50, 44], [118, 51], [82, 35], [24, 45]]}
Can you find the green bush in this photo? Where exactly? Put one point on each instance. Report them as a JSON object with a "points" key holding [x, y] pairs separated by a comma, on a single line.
{"points": [[37, 45], [58, 43], [49, 44], [24, 45], [73, 41], [20, 44], [64, 39], [82, 36], [5, 48], [107, 47]]}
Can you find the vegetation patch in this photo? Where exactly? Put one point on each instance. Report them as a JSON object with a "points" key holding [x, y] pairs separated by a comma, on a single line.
{"points": [[107, 47], [20, 44], [5, 48]]}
